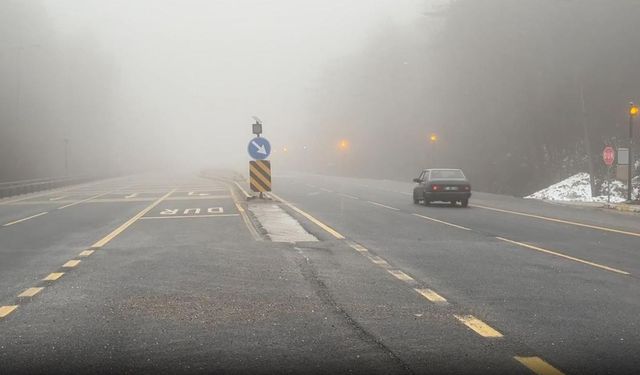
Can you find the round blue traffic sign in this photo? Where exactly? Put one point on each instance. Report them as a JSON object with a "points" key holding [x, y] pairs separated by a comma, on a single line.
{"points": [[259, 148]]}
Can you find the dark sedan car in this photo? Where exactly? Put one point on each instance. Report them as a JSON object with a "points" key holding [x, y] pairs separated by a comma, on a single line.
{"points": [[442, 185]]}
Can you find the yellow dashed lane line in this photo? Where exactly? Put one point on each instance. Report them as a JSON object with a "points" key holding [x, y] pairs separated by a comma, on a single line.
{"points": [[245, 218], [86, 253], [359, 248], [401, 275], [130, 222], [431, 295], [478, 326], [377, 260], [6, 310], [53, 276], [535, 364], [30, 292], [538, 366], [71, 263]]}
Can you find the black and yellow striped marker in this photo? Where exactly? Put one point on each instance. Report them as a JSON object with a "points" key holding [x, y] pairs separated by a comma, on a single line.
{"points": [[260, 175]]}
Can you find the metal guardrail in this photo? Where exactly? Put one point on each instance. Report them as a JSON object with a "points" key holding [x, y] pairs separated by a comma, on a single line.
{"points": [[13, 188]]}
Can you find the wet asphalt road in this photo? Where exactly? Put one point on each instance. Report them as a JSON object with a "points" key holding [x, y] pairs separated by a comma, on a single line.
{"points": [[174, 276]]}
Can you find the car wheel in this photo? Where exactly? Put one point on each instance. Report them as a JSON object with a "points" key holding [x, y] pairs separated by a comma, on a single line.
{"points": [[465, 202], [416, 200], [452, 203]]}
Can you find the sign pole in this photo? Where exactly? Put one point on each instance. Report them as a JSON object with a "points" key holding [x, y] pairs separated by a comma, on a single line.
{"points": [[608, 156], [630, 169], [609, 186], [259, 150]]}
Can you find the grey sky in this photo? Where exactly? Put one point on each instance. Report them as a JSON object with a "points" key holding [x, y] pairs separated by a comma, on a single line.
{"points": [[193, 72]]}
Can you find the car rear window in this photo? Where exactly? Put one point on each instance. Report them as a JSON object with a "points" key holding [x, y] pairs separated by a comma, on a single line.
{"points": [[447, 174]]}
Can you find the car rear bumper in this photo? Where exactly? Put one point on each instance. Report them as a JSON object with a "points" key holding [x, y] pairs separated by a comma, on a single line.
{"points": [[447, 196]]}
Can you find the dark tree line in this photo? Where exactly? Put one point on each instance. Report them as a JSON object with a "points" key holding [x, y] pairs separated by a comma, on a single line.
{"points": [[520, 93], [52, 87]]}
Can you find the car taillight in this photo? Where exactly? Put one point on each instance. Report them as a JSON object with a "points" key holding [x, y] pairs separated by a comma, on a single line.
{"points": [[435, 187], [467, 188]]}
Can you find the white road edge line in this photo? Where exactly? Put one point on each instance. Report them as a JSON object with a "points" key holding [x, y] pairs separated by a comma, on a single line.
{"points": [[317, 222], [563, 256], [25, 219], [442, 222], [85, 200], [348, 196], [605, 229], [382, 205], [244, 192]]}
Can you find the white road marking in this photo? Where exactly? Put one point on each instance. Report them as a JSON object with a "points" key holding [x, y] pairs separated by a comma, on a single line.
{"points": [[317, 222], [536, 248], [130, 222], [193, 193], [187, 216], [25, 219], [244, 192], [384, 206], [442, 222], [348, 196], [84, 200], [605, 229]]}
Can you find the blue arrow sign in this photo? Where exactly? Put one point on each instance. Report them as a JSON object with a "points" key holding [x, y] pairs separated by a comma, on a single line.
{"points": [[259, 148]]}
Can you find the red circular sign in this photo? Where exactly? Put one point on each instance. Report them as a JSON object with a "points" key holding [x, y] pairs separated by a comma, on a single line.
{"points": [[608, 155]]}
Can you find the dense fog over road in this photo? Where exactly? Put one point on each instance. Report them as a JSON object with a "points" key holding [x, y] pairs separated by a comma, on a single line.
{"points": [[519, 94], [138, 84]]}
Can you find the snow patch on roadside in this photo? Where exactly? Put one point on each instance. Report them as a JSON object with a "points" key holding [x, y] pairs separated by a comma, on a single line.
{"points": [[577, 188]]}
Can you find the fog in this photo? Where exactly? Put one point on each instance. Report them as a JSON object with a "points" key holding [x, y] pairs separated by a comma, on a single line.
{"points": [[518, 93], [145, 84]]}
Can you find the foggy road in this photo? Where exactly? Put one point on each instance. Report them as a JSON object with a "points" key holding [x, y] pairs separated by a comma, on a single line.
{"points": [[226, 187], [181, 273]]}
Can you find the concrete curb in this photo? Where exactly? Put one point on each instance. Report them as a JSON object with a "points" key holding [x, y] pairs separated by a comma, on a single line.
{"points": [[621, 207], [625, 208]]}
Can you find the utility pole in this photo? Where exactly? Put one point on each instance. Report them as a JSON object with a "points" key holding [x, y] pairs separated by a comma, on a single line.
{"points": [[587, 144], [633, 112], [66, 157]]}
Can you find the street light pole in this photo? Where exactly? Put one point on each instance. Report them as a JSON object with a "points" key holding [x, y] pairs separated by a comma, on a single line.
{"points": [[433, 138], [66, 157], [633, 111]]}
